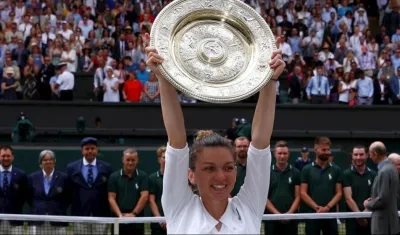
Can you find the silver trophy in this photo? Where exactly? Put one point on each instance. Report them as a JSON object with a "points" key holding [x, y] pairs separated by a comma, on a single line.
{"points": [[216, 51]]}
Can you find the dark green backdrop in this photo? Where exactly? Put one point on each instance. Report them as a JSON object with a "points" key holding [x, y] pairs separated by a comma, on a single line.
{"points": [[27, 158]]}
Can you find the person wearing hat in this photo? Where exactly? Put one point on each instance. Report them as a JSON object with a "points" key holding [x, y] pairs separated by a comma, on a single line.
{"points": [[89, 177], [361, 19], [304, 159], [65, 83], [331, 63], [324, 54], [9, 84]]}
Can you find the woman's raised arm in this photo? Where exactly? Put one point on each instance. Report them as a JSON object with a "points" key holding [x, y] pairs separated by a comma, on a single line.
{"points": [[264, 115], [254, 192], [176, 191], [171, 108]]}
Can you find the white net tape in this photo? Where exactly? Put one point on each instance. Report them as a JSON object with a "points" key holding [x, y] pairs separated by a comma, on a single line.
{"points": [[113, 220], [74, 225]]}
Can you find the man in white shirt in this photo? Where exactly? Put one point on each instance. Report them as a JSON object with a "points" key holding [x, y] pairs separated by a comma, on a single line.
{"points": [[65, 31], [69, 56], [66, 83], [25, 27]]}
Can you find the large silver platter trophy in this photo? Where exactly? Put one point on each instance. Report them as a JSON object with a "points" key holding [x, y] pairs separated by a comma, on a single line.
{"points": [[216, 51]]}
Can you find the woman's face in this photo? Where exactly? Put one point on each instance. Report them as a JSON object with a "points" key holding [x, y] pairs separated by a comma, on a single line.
{"points": [[214, 174]]}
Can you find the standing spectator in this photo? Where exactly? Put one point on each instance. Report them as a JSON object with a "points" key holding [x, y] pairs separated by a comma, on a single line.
{"points": [[367, 61], [321, 189], [394, 83], [128, 192], [381, 90], [133, 89], [47, 71], [99, 77], [357, 184], [284, 192], [69, 56], [13, 191], [155, 193], [295, 85], [142, 74], [365, 89], [89, 177], [49, 193], [110, 86], [318, 89], [151, 92], [9, 85], [344, 89]]}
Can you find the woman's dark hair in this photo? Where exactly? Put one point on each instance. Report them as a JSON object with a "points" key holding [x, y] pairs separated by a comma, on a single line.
{"points": [[204, 139]]}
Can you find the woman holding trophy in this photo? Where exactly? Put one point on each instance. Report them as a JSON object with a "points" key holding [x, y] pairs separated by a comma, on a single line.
{"points": [[211, 163]]}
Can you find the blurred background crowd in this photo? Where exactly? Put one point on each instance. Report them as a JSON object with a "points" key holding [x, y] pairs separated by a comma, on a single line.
{"points": [[332, 53]]}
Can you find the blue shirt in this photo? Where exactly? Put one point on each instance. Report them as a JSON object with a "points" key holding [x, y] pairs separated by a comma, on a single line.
{"points": [[318, 85], [380, 165], [143, 76], [365, 87], [2, 175], [47, 182], [85, 168]]}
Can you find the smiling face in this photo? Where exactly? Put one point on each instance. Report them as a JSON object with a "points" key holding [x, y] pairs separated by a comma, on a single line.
{"points": [[214, 173]]}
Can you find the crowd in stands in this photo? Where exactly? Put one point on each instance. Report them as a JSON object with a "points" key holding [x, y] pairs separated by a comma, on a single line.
{"points": [[331, 54]]}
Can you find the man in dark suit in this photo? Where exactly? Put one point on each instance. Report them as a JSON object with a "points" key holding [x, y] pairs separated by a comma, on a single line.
{"points": [[13, 188], [47, 71], [381, 90], [383, 201], [49, 193], [120, 47], [395, 87], [89, 178]]}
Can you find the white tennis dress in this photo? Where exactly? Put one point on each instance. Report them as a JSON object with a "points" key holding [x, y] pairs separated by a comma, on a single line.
{"points": [[184, 211]]}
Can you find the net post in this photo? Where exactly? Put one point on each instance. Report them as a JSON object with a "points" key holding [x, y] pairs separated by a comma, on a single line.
{"points": [[116, 226]]}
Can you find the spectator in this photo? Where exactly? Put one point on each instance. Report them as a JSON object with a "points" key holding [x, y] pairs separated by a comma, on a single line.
{"points": [[133, 89], [311, 33], [110, 86], [151, 92], [9, 84]]}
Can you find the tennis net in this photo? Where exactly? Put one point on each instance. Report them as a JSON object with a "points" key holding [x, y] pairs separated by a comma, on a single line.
{"points": [[73, 225]]}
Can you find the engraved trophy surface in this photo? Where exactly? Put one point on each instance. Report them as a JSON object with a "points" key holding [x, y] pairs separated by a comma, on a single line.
{"points": [[216, 51]]}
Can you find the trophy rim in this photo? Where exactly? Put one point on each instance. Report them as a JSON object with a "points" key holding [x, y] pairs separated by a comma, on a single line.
{"points": [[267, 76]]}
